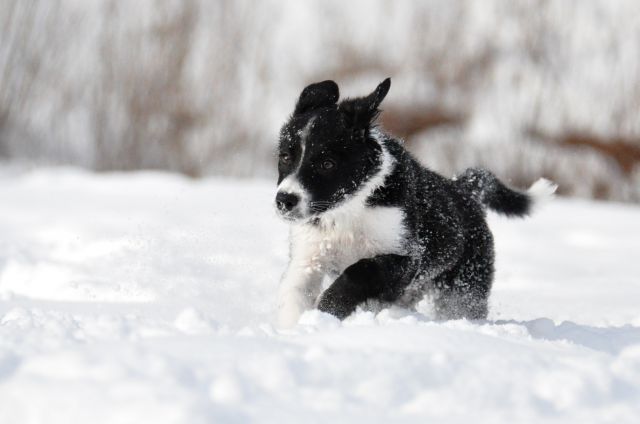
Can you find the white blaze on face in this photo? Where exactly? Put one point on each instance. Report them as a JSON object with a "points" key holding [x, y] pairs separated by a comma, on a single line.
{"points": [[291, 184]]}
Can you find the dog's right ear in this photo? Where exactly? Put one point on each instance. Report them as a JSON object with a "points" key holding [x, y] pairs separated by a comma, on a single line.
{"points": [[361, 112], [325, 93]]}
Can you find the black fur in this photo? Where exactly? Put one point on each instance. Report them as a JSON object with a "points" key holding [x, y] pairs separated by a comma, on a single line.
{"points": [[316, 95], [488, 190], [334, 138], [448, 248], [367, 279]]}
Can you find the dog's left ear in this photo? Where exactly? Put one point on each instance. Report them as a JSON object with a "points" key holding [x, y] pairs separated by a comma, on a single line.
{"points": [[325, 93], [361, 112]]}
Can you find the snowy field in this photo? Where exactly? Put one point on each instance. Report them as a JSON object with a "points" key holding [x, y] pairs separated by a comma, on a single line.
{"points": [[148, 298]]}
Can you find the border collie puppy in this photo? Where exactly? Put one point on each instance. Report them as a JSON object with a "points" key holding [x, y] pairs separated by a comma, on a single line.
{"points": [[367, 215]]}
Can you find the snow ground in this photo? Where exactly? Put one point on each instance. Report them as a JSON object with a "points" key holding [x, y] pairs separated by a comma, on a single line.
{"points": [[147, 298]]}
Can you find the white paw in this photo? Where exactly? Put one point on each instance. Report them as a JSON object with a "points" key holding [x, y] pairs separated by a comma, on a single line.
{"points": [[289, 313]]}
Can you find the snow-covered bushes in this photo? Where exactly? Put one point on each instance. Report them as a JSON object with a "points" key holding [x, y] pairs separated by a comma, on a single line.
{"points": [[201, 87]]}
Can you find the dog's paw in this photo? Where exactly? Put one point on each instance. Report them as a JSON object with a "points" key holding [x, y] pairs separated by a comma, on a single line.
{"points": [[334, 304], [289, 313], [287, 319]]}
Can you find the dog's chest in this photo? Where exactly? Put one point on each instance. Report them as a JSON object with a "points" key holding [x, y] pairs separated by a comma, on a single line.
{"points": [[340, 240]]}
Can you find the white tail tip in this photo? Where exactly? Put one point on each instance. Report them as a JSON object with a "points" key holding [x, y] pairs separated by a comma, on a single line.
{"points": [[542, 191]]}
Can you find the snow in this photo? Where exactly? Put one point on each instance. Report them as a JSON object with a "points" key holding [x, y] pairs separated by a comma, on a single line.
{"points": [[150, 298]]}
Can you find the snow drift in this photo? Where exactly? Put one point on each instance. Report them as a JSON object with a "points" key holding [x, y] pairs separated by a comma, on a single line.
{"points": [[149, 298]]}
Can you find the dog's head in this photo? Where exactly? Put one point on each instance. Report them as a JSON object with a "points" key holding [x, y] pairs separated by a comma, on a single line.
{"points": [[326, 150]]}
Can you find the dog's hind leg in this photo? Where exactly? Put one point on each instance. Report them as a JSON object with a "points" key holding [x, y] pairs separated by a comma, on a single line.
{"points": [[464, 291], [452, 304], [381, 277]]}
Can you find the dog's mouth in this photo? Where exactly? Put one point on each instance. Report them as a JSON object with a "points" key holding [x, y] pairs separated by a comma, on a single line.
{"points": [[305, 212], [292, 215], [296, 216]]}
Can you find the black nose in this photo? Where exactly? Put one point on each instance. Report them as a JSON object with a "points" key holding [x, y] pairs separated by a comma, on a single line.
{"points": [[286, 201]]}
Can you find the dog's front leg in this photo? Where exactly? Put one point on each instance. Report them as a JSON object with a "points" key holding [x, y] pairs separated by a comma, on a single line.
{"points": [[298, 292], [381, 277]]}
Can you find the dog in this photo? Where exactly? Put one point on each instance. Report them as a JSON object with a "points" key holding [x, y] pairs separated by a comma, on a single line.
{"points": [[366, 214]]}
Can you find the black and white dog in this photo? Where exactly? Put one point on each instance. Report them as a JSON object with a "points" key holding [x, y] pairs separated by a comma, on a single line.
{"points": [[366, 214]]}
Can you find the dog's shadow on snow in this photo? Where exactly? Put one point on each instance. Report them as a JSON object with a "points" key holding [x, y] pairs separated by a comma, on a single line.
{"points": [[605, 339], [610, 340]]}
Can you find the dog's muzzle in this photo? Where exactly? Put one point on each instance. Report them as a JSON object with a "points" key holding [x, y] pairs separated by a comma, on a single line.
{"points": [[286, 202], [288, 205]]}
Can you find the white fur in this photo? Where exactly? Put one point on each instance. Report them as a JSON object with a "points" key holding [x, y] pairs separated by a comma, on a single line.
{"points": [[291, 184], [541, 192], [343, 235], [304, 134]]}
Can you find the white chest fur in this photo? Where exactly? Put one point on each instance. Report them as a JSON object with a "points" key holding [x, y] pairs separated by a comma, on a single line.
{"points": [[344, 235], [342, 238]]}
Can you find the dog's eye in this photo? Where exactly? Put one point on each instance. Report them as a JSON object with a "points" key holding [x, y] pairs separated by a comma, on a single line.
{"points": [[328, 164], [285, 158]]}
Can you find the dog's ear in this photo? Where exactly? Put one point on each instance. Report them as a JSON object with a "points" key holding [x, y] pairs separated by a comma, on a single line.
{"points": [[361, 112], [325, 93]]}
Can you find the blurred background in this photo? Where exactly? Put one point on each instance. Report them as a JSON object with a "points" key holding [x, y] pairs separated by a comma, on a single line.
{"points": [[528, 88]]}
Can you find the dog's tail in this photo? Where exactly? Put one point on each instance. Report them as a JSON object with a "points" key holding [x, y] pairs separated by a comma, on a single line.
{"points": [[489, 191]]}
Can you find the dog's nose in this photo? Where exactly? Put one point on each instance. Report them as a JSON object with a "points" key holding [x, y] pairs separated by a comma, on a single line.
{"points": [[286, 201]]}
